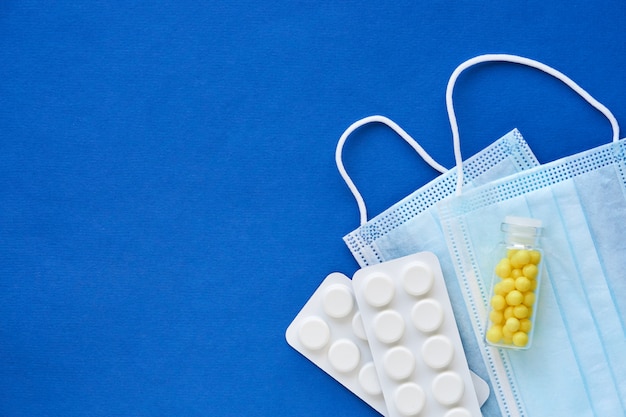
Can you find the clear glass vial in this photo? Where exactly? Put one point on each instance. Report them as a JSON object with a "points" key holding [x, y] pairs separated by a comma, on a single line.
{"points": [[515, 284]]}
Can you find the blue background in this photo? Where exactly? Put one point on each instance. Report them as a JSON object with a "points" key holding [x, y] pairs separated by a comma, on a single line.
{"points": [[168, 192]]}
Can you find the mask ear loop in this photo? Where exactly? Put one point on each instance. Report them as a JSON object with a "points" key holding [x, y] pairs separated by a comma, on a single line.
{"points": [[515, 60], [408, 139]]}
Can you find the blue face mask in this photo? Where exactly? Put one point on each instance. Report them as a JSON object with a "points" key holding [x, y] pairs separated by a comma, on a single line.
{"points": [[577, 364], [411, 225]]}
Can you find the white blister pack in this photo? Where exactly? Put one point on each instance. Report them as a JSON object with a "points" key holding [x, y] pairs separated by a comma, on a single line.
{"points": [[329, 332], [414, 340]]}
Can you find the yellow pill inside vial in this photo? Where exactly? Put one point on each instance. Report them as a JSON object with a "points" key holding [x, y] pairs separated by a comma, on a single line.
{"points": [[496, 317], [535, 257], [512, 324], [514, 298], [525, 325], [503, 268], [520, 311], [511, 252], [497, 289], [516, 273], [530, 271], [529, 299], [520, 258], [498, 302], [508, 285], [522, 284], [508, 313], [520, 339], [494, 334]]}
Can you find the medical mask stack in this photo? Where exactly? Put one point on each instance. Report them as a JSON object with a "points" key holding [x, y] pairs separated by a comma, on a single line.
{"points": [[374, 345]]}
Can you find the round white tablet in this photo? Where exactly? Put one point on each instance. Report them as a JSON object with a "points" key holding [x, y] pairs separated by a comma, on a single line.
{"points": [[314, 333], [344, 355], [368, 378], [399, 363], [427, 315], [357, 326], [388, 326], [378, 290], [458, 412], [409, 399], [448, 388], [338, 301], [418, 278], [437, 352]]}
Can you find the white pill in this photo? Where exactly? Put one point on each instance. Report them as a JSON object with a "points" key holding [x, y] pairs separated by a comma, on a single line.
{"points": [[399, 363], [418, 279], [409, 399], [437, 352], [368, 378], [344, 355], [427, 315], [458, 412], [388, 326], [378, 290], [448, 388], [357, 326], [314, 333], [338, 301]]}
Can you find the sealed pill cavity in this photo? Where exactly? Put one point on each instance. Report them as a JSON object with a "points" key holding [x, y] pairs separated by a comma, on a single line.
{"points": [[399, 363], [438, 351], [338, 301], [344, 355], [427, 315], [314, 333], [516, 278], [458, 412], [388, 326], [357, 326], [448, 388], [368, 378], [378, 290], [409, 399], [418, 279]]}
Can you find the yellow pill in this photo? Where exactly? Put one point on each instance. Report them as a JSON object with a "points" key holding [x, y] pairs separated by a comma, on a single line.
{"points": [[503, 269], [494, 334], [514, 298], [529, 299], [512, 324], [511, 252], [525, 325], [498, 302], [508, 313], [507, 285], [535, 257], [496, 317], [497, 289], [520, 339], [507, 338], [522, 284], [516, 273], [530, 271], [520, 258], [520, 311], [507, 333]]}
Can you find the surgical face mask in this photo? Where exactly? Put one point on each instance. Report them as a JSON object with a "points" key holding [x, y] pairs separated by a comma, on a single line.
{"points": [[577, 364], [412, 225]]}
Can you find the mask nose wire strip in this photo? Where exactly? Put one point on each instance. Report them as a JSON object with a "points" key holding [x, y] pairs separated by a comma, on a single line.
{"points": [[401, 132], [515, 60]]}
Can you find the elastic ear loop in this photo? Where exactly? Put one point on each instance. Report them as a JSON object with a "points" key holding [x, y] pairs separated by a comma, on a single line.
{"points": [[408, 139], [515, 60]]}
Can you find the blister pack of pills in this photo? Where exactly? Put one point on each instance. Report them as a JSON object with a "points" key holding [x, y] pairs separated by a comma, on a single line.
{"points": [[414, 340], [330, 318], [329, 332]]}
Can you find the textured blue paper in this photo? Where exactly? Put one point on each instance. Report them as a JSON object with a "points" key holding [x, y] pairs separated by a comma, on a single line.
{"points": [[168, 193]]}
